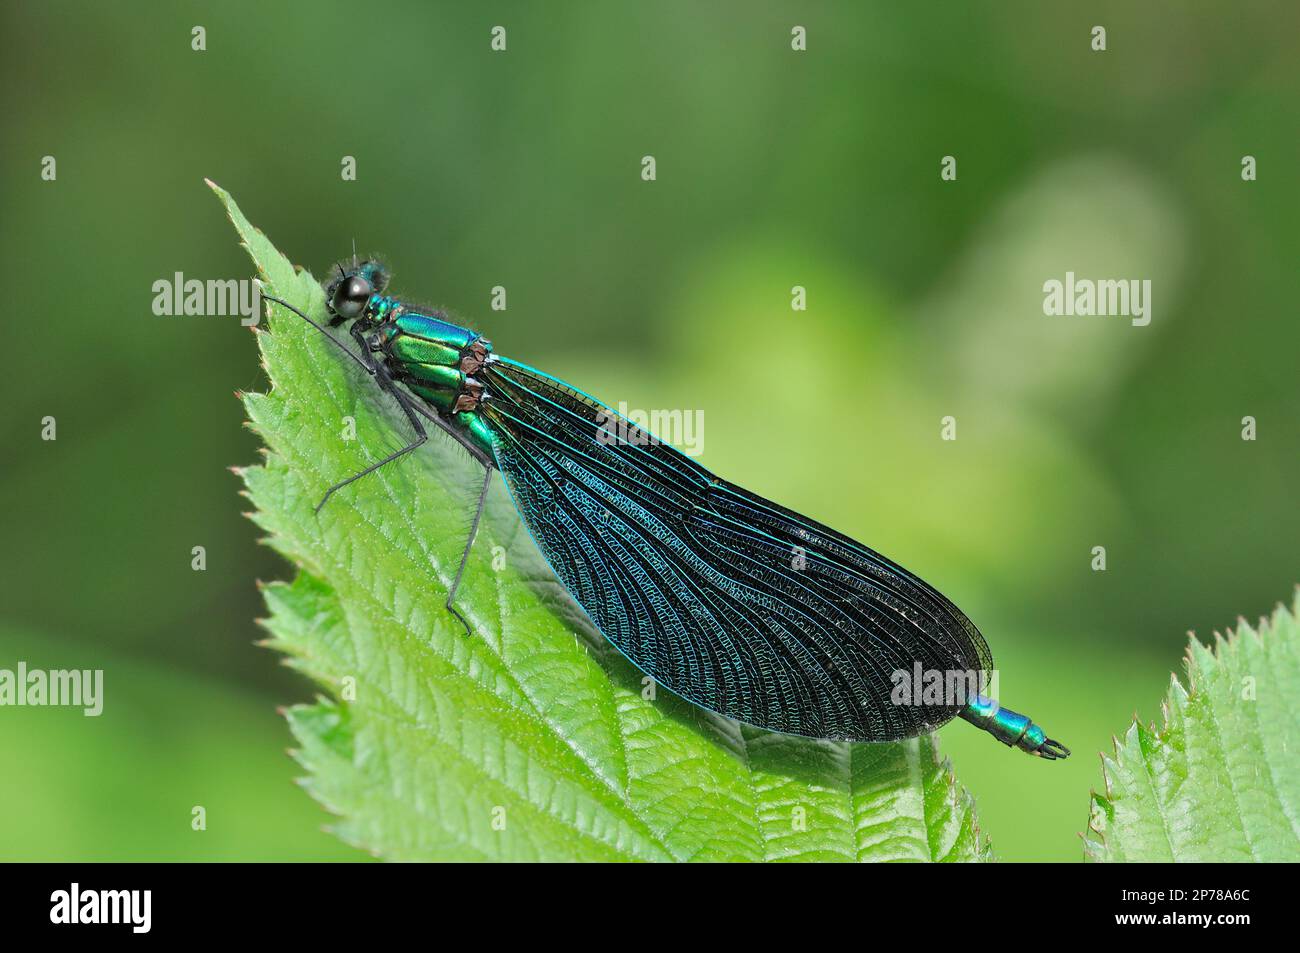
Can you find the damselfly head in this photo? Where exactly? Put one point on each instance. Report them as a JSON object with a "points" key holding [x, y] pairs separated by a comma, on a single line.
{"points": [[350, 287]]}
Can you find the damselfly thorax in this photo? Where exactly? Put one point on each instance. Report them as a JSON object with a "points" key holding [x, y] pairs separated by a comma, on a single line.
{"points": [[433, 358]]}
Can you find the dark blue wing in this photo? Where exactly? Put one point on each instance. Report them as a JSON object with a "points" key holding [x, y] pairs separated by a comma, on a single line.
{"points": [[736, 604]]}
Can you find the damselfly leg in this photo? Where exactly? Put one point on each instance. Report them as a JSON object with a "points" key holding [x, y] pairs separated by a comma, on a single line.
{"points": [[363, 361], [421, 436], [469, 544], [413, 411]]}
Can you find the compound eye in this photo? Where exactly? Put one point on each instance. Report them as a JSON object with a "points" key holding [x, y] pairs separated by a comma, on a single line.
{"points": [[350, 297]]}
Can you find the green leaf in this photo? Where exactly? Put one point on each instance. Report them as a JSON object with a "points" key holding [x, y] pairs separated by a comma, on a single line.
{"points": [[530, 739], [1219, 780]]}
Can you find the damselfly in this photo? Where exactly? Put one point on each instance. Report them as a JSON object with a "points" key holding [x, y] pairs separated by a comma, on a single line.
{"points": [[734, 603]]}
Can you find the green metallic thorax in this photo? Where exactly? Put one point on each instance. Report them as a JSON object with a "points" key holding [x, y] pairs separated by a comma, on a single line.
{"points": [[434, 359]]}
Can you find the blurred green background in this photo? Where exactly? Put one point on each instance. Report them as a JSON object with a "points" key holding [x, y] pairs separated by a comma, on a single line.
{"points": [[775, 169]]}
